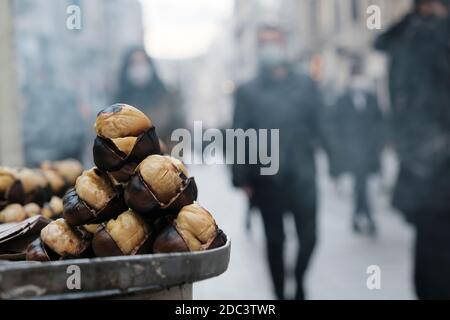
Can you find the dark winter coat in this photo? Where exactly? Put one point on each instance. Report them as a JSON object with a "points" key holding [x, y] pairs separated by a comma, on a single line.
{"points": [[358, 134], [292, 105], [419, 82]]}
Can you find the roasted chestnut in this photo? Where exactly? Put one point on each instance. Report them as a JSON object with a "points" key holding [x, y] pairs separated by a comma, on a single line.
{"points": [[35, 185], [38, 251], [11, 189], [160, 185], [128, 234], [124, 135], [57, 182], [194, 229], [53, 209], [59, 241], [93, 199], [13, 213], [32, 209], [67, 170]]}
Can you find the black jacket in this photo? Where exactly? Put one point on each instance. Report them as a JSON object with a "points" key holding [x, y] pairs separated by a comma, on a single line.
{"points": [[419, 82], [292, 105], [358, 134]]}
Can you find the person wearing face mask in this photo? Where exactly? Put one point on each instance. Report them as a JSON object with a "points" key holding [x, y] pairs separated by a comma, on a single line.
{"points": [[140, 86], [279, 98], [358, 127], [418, 48]]}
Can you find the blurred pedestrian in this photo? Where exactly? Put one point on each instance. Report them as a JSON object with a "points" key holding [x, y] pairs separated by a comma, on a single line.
{"points": [[419, 78], [141, 87], [279, 98], [358, 128]]}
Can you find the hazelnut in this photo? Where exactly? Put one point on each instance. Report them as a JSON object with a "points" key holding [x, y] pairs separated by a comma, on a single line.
{"points": [[93, 200], [65, 240], [13, 213], [32, 209], [160, 183], [128, 234], [121, 120], [194, 229], [124, 135]]}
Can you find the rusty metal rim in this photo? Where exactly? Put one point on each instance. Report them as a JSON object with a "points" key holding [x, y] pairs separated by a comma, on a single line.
{"points": [[31, 264], [47, 280]]}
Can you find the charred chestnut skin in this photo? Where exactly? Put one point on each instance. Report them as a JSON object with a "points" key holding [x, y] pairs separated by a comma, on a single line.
{"points": [[77, 212], [123, 175], [108, 157], [15, 194], [40, 196], [141, 199], [169, 240], [104, 245], [38, 251]]}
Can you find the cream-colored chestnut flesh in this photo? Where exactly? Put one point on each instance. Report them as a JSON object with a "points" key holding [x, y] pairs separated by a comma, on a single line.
{"points": [[62, 239], [121, 120], [196, 226], [13, 213], [94, 189], [162, 176]]}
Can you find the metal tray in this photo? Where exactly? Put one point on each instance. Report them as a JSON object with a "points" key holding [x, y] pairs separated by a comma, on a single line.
{"points": [[112, 276]]}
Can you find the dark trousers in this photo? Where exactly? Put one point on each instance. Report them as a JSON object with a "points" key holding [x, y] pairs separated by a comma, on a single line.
{"points": [[274, 202], [360, 191], [432, 256]]}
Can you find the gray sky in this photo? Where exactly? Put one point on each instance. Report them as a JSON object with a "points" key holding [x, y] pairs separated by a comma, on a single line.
{"points": [[177, 29]]}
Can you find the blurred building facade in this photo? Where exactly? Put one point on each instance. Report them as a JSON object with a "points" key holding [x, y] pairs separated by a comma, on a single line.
{"points": [[319, 31], [84, 62]]}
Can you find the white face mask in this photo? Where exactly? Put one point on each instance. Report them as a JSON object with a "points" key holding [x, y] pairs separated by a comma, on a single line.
{"points": [[139, 74], [272, 55]]}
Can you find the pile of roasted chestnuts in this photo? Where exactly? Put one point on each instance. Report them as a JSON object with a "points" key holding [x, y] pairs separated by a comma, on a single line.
{"points": [[29, 192], [135, 200]]}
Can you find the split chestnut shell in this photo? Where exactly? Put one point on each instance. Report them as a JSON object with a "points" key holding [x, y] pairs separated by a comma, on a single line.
{"points": [[59, 240], [194, 229], [160, 186], [93, 199], [11, 188], [124, 135], [128, 234]]}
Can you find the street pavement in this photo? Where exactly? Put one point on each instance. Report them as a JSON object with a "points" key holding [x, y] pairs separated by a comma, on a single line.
{"points": [[339, 267]]}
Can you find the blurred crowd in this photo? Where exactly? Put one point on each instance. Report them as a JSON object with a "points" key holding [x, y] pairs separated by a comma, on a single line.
{"points": [[352, 131]]}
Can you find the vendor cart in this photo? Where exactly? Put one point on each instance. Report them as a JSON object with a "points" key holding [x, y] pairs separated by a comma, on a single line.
{"points": [[151, 276]]}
